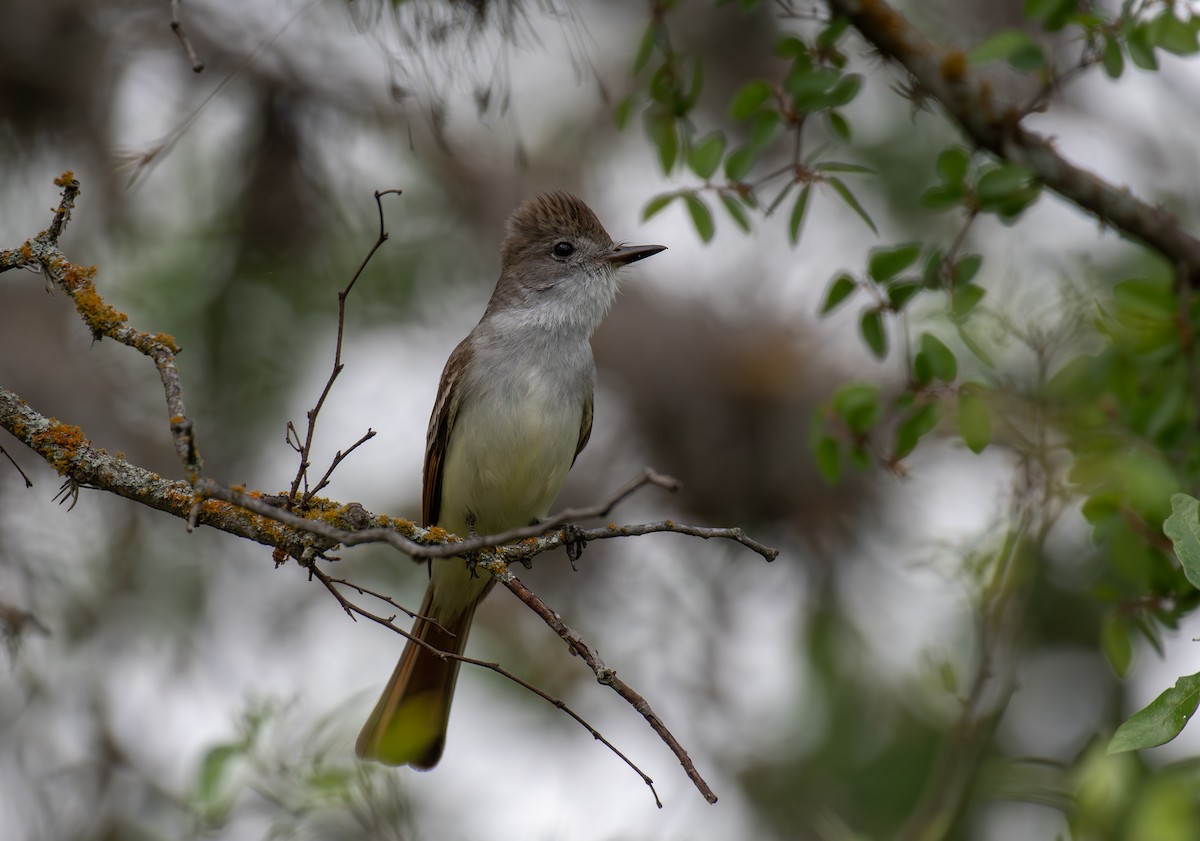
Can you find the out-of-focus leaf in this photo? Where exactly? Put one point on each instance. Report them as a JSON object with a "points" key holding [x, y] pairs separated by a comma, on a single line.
{"points": [[965, 269], [943, 196], [701, 216], [843, 287], [1141, 48], [858, 406], [886, 263], [1114, 62], [797, 217], [749, 99], [623, 110], [838, 125], [825, 451], [1116, 644], [871, 327], [1053, 14], [1183, 529], [736, 211], [705, 155], [645, 47], [1173, 35], [966, 299], [916, 424], [844, 192], [900, 292], [739, 163], [942, 362], [974, 425], [1161, 720], [656, 204], [1011, 45], [952, 165], [763, 129], [661, 130]]}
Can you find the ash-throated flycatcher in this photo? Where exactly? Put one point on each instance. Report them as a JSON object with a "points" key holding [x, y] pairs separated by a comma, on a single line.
{"points": [[513, 410]]}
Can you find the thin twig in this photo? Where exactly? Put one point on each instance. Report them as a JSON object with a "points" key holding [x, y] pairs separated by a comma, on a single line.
{"points": [[608, 677], [13, 461], [305, 449], [177, 28], [388, 622]]}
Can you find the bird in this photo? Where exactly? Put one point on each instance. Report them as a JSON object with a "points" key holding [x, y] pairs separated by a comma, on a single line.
{"points": [[512, 413]]}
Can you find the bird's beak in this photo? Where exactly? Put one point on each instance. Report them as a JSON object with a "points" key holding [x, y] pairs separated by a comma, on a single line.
{"points": [[623, 255]]}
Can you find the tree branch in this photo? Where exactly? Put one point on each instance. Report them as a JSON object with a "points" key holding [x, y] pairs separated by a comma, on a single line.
{"points": [[969, 102]]}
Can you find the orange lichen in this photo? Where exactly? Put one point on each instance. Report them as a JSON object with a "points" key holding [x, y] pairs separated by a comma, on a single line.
{"points": [[167, 341], [59, 444], [954, 66], [65, 179]]}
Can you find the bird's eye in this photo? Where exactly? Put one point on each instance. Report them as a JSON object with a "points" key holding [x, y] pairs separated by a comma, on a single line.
{"points": [[563, 249]]}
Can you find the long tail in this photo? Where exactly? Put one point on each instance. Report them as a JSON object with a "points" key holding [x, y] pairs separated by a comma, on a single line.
{"points": [[408, 725]]}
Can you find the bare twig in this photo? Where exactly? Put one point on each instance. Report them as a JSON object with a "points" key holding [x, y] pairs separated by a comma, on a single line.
{"points": [[353, 610], [608, 677], [177, 28], [305, 449], [13, 461], [969, 102]]}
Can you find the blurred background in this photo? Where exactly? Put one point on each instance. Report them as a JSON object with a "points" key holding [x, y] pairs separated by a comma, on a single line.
{"points": [[177, 685]]}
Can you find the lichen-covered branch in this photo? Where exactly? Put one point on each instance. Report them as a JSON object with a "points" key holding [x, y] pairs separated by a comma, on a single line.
{"points": [[943, 75]]}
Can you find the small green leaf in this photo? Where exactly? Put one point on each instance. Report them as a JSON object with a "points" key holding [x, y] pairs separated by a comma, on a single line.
{"points": [[736, 212], [763, 129], [1114, 62], [871, 326], [701, 216], [886, 263], [943, 196], [843, 287], [916, 424], [1183, 529], [1141, 48], [840, 166], [623, 110], [825, 450], [1116, 644], [661, 130], [838, 125], [706, 155], [1173, 35], [964, 300], [656, 204], [797, 217], [1000, 182], [844, 192], [845, 90], [952, 165], [739, 163], [1011, 45], [1053, 14], [976, 349], [974, 424], [900, 292], [1161, 720], [749, 99], [790, 46], [645, 47], [858, 406], [965, 269], [942, 362]]}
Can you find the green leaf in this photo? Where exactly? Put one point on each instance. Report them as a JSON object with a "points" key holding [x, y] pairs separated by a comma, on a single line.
{"points": [[790, 46], [645, 47], [900, 292], [845, 90], [749, 99], [976, 349], [844, 192], [964, 300], [661, 130], [1054, 14], [736, 211], [1114, 62], [840, 166], [1183, 528], [825, 450], [1001, 181], [843, 287], [623, 110], [965, 269], [974, 424], [739, 163], [797, 217], [1011, 45], [763, 129], [952, 165], [1161, 720], [706, 155], [1173, 35], [886, 263], [871, 326], [701, 216], [656, 205], [838, 125], [858, 406], [942, 363], [1140, 46], [811, 87], [1116, 644], [916, 424], [943, 196]]}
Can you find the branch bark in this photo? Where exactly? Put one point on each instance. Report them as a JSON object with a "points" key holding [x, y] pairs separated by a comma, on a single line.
{"points": [[969, 102]]}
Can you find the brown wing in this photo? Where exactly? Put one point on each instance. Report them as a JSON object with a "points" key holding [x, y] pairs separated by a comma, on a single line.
{"points": [[585, 427], [440, 423]]}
